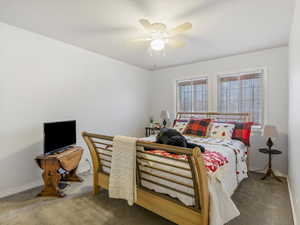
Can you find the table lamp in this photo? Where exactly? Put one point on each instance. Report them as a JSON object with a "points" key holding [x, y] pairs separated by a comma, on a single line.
{"points": [[164, 115], [270, 131]]}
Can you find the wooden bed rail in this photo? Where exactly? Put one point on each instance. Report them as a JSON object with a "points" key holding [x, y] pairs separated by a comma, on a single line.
{"points": [[173, 149], [192, 170]]}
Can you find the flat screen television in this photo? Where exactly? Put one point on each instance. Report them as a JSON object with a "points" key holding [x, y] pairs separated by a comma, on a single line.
{"points": [[58, 135]]}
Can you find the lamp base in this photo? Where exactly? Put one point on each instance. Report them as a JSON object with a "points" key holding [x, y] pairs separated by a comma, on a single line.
{"points": [[164, 123], [270, 143]]}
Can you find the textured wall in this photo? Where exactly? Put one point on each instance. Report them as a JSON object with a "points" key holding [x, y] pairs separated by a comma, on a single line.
{"points": [[294, 115], [46, 80]]}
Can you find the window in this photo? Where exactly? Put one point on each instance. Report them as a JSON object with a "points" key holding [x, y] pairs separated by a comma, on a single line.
{"points": [[192, 95], [242, 93]]}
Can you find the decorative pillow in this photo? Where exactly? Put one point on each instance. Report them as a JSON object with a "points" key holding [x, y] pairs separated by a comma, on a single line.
{"points": [[242, 132], [221, 130], [180, 125], [197, 127]]}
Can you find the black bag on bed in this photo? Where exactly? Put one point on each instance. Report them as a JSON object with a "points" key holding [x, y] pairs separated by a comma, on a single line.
{"points": [[168, 136]]}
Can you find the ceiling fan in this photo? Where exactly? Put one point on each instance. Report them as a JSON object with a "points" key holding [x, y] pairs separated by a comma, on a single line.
{"points": [[159, 36]]}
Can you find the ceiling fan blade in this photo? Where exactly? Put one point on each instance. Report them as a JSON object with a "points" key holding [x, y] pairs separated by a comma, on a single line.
{"points": [[139, 40], [180, 29], [173, 43], [146, 24]]}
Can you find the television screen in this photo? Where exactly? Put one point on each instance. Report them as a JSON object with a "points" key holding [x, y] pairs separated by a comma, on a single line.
{"points": [[58, 135]]}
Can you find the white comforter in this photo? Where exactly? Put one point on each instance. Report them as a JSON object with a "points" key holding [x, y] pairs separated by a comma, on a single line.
{"points": [[222, 183]]}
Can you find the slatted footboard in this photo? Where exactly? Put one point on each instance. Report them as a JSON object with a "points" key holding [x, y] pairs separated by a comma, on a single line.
{"points": [[185, 177]]}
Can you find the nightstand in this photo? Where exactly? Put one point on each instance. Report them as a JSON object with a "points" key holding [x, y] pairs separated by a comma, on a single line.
{"points": [[270, 152], [150, 130], [68, 160]]}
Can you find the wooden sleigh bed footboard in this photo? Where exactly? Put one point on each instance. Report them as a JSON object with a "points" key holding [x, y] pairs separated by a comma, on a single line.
{"points": [[100, 147]]}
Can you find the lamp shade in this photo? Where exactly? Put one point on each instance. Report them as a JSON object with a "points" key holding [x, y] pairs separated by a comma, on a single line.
{"points": [[164, 115], [270, 131]]}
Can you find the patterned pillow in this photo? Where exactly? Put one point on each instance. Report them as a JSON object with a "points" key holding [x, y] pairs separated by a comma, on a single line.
{"points": [[221, 130], [197, 127], [180, 125], [242, 132]]}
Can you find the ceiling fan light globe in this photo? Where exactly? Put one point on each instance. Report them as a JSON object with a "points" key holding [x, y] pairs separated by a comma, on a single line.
{"points": [[157, 44]]}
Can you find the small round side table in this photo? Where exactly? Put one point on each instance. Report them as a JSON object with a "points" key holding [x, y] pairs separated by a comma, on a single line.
{"points": [[270, 152]]}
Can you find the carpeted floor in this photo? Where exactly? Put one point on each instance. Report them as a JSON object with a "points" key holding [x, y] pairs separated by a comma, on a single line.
{"points": [[260, 203]]}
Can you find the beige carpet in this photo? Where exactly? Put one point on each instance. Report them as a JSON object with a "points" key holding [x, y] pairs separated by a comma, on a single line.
{"points": [[86, 209], [26, 199], [260, 203]]}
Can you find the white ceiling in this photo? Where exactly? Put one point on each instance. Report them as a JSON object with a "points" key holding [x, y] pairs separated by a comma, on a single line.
{"points": [[220, 27]]}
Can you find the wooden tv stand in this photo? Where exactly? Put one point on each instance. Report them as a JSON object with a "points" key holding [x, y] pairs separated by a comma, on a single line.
{"points": [[50, 164]]}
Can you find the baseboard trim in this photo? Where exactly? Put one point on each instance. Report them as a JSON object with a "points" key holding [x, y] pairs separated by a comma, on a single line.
{"points": [[33, 184], [84, 169], [262, 171], [22, 188], [292, 202]]}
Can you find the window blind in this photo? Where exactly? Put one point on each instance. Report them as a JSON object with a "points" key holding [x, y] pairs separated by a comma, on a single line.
{"points": [[242, 93], [192, 95]]}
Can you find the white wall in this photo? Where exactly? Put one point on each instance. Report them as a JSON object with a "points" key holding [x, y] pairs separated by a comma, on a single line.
{"points": [[294, 113], [46, 80], [274, 60]]}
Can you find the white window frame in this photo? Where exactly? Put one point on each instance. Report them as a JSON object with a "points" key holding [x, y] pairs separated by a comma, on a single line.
{"points": [[192, 79], [212, 85], [262, 70]]}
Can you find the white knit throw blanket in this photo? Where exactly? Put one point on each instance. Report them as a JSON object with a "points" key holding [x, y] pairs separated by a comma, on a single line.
{"points": [[122, 178]]}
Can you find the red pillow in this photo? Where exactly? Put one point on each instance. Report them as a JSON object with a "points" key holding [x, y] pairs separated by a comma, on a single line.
{"points": [[242, 132], [197, 127]]}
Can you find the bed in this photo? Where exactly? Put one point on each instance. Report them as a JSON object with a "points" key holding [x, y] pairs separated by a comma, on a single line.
{"points": [[183, 185]]}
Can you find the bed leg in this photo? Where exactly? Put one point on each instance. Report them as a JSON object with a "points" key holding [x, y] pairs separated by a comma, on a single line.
{"points": [[184, 223], [96, 190], [96, 187]]}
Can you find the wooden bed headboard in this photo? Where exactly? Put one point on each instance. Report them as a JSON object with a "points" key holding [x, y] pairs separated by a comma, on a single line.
{"points": [[238, 117]]}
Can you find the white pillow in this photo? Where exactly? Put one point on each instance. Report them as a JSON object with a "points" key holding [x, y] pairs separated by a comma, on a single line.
{"points": [[221, 130], [180, 125]]}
